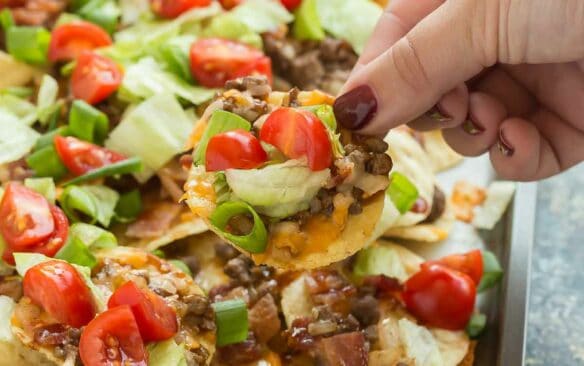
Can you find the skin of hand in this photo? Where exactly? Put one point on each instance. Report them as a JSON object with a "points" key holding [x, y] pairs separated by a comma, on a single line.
{"points": [[498, 76]]}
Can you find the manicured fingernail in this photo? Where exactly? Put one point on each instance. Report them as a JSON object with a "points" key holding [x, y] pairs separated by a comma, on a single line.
{"points": [[438, 114], [504, 147], [356, 108], [472, 127]]}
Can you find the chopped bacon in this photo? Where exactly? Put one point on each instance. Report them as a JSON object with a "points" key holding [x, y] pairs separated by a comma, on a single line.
{"points": [[329, 288], [240, 353], [155, 221], [297, 335], [263, 319], [384, 286], [172, 178], [344, 349], [36, 12]]}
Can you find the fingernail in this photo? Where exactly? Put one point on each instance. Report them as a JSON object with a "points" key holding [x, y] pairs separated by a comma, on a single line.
{"points": [[438, 114], [356, 108], [472, 127], [504, 147]]}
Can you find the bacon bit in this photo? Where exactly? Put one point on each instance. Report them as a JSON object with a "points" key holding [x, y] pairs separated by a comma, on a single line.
{"points": [[154, 221], [384, 286], [263, 319], [36, 12], [186, 161], [297, 335], [241, 353], [344, 349], [465, 197], [328, 287]]}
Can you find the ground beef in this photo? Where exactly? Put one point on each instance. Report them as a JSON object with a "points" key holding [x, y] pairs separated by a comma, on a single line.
{"points": [[197, 357], [256, 86], [329, 288], [321, 65], [240, 353], [256, 280], [225, 251], [63, 339], [11, 286], [365, 309], [199, 314], [438, 205], [263, 318], [250, 111], [379, 164]]}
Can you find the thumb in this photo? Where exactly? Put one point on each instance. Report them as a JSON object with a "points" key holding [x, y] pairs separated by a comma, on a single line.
{"points": [[439, 53]]}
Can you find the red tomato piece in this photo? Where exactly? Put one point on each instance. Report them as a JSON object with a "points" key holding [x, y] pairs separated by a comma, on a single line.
{"points": [[230, 4], [470, 263], [156, 320], [173, 8], [26, 217], [45, 285], [298, 133], [216, 60], [440, 297], [113, 338], [70, 39], [237, 149], [81, 157], [291, 4], [95, 77]]}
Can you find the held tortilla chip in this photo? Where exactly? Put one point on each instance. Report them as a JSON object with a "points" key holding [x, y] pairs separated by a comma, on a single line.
{"points": [[324, 240]]}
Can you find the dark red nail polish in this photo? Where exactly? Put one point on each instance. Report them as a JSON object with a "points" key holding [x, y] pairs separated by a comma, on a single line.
{"points": [[504, 147], [356, 108], [472, 127], [438, 114]]}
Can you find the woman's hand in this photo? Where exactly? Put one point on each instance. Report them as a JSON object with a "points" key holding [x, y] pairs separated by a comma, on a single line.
{"points": [[504, 76]]}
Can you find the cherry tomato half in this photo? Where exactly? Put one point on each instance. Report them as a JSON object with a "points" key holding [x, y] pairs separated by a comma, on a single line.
{"points": [[70, 39], [25, 217], [230, 4], [45, 285], [81, 157], [470, 263], [237, 149], [298, 133], [440, 297], [156, 320], [291, 4], [173, 8], [216, 60], [112, 338], [95, 77]]}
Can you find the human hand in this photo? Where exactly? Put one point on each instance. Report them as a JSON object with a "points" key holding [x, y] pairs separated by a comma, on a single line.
{"points": [[503, 76]]}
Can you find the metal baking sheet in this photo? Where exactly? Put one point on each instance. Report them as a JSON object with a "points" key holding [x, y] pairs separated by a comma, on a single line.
{"points": [[503, 343]]}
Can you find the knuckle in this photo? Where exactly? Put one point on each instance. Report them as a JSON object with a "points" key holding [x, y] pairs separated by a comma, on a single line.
{"points": [[408, 65], [487, 27]]}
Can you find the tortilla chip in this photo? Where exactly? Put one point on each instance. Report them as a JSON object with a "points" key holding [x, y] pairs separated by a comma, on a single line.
{"points": [[470, 355], [296, 302], [179, 230], [499, 195], [440, 154], [454, 346], [426, 232]]}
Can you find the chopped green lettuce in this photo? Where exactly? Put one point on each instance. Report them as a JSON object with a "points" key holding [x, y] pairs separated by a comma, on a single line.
{"points": [[229, 26], [47, 98], [133, 10], [327, 116], [220, 121], [13, 107], [351, 20], [104, 13], [93, 203], [285, 188], [261, 15], [44, 186], [379, 259], [307, 25], [16, 138], [65, 18], [174, 56], [166, 353], [159, 121], [92, 236], [146, 78]]}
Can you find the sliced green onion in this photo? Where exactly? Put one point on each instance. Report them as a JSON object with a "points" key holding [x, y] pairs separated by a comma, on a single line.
{"points": [[89, 203], [44, 186], [402, 191], [182, 266], [67, 69], [48, 138], [222, 190], [87, 122], [492, 272], [306, 24], [53, 119], [29, 44], [131, 165], [104, 13], [220, 121], [476, 325], [92, 236], [6, 19], [255, 241], [159, 253], [129, 206], [18, 91], [46, 163], [231, 320], [75, 251]]}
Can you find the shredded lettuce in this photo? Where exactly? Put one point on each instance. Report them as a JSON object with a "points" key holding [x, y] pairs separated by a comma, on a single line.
{"points": [[47, 99], [93, 203], [285, 188], [174, 55], [379, 259], [166, 353], [133, 10], [13, 107], [92, 236], [229, 26], [16, 138], [44, 186], [157, 122], [307, 25], [146, 78], [65, 18], [104, 13], [327, 116], [351, 20], [261, 15], [14, 73]]}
